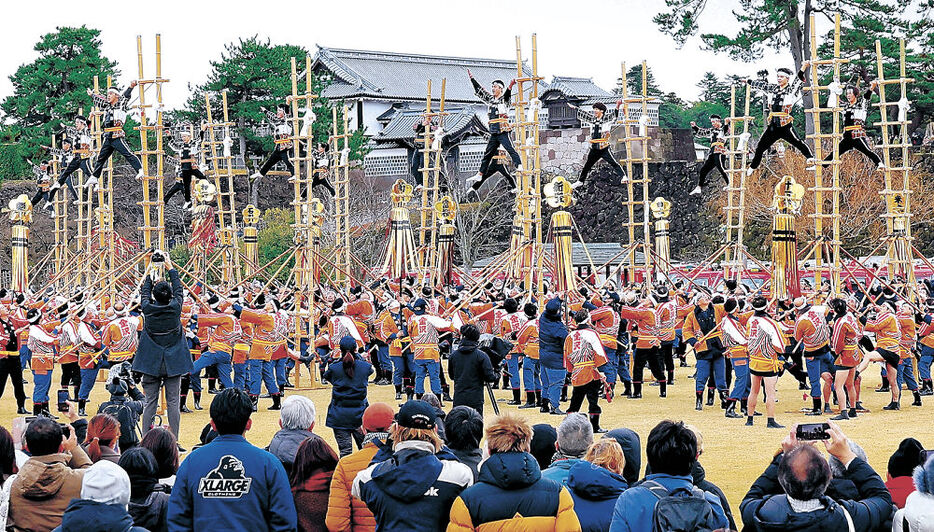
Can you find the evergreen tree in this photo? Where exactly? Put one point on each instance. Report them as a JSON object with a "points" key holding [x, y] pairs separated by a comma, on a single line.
{"points": [[52, 88]]}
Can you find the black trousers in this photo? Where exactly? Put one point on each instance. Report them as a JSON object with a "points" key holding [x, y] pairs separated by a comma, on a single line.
{"points": [[594, 155], [773, 134], [493, 169], [652, 357], [12, 367], [71, 373], [667, 354], [859, 144], [276, 156], [320, 182], [183, 186], [40, 195], [107, 150], [591, 391], [65, 179], [714, 162], [492, 146]]}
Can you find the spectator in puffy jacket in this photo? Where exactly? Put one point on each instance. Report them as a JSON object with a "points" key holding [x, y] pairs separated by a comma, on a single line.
{"points": [[346, 512], [105, 493], [230, 484], [311, 480], [631, 444], [149, 500], [575, 434], [414, 489], [804, 474], [596, 483], [296, 422], [671, 450], [510, 487], [901, 466], [918, 513], [464, 432], [551, 335], [470, 369], [49, 480], [348, 377]]}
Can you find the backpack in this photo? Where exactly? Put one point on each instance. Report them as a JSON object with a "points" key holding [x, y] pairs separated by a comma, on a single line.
{"points": [[129, 426], [680, 510]]}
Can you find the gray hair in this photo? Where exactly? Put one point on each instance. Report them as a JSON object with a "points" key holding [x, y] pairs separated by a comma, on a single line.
{"points": [[575, 434], [837, 469], [298, 412]]}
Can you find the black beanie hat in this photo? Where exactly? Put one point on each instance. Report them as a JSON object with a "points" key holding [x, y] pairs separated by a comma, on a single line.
{"points": [[903, 461]]}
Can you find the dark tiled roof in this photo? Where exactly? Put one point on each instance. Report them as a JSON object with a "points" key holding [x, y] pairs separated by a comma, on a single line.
{"points": [[400, 76], [578, 87], [400, 124]]}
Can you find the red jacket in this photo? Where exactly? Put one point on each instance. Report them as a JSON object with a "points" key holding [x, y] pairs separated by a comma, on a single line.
{"points": [[900, 488], [311, 501]]}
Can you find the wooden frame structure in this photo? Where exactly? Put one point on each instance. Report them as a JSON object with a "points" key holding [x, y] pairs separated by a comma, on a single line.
{"points": [[153, 230], [735, 209], [340, 171], [221, 169], [637, 190], [431, 177]]}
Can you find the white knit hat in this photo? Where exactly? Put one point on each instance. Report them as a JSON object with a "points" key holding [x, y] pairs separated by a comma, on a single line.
{"points": [[107, 483]]}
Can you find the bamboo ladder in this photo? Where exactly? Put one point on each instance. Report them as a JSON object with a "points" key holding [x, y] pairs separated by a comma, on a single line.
{"points": [[59, 216], [431, 174], [153, 230], [735, 209], [637, 190], [340, 170], [897, 192], [221, 169], [821, 243], [105, 225], [526, 244]]}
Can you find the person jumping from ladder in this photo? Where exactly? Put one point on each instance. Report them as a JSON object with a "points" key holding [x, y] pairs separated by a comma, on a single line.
{"points": [[282, 135], [717, 155], [498, 102], [781, 97], [187, 151], [855, 108], [114, 107], [80, 159], [601, 121]]}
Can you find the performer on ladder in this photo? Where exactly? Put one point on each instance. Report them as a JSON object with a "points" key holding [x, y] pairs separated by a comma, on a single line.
{"points": [[187, 151], [115, 110], [282, 136], [781, 97], [716, 157], [320, 174], [855, 109], [601, 121], [81, 160], [498, 102], [43, 173]]}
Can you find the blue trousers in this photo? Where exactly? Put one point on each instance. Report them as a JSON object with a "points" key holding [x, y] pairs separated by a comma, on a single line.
{"points": [[382, 357], [816, 366], [241, 375], [512, 366], [218, 359], [924, 366], [432, 370], [88, 377], [41, 385], [552, 381], [906, 374], [25, 355], [622, 364], [609, 369], [532, 374], [278, 367], [399, 364], [261, 372], [717, 365], [740, 379]]}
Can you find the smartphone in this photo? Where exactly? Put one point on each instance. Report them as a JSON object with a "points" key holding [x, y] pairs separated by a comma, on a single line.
{"points": [[63, 400], [813, 431]]}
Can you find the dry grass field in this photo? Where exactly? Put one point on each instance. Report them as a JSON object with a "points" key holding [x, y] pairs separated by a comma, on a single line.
{"points": [[734, 455]]}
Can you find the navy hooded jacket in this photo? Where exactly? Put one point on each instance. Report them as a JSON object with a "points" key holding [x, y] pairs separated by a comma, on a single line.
{"points": [[551, 335], [594, 490], [93, 516], [413, 490], [348, 395]]}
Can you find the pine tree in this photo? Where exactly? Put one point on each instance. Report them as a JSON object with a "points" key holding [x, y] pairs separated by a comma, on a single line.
{"points": [[52, 88]]}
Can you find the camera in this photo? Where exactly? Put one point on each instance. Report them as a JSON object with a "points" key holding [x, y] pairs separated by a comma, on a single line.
{"points": [[813, 431], [158, 256]]}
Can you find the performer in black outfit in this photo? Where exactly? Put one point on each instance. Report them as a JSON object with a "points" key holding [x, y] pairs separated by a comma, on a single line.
{"points": [[418, 156], [188, 152], [601, 121], [496, 166], [114, 107], [322, 165], [781, 97], [855, 108], [10, 365], [80, 159], [43, 173], [282, 134], [716, 157], [498, 101]]}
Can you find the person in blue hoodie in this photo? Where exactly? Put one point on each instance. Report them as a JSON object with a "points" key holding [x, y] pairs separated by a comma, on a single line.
{"points": [[551, 335], [671, 450], [348, 377], [415, 488], [229, 484], [510, 492], [596, 482]]}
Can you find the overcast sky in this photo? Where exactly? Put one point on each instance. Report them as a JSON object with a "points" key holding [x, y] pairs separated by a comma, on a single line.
{"points": [[587, 39]]}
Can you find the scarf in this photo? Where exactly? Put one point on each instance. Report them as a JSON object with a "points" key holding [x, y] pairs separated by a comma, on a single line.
{"points": [[380, 437]]}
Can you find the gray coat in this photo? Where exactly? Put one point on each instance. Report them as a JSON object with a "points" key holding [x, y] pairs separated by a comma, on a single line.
{"points": [[285, 443], [162, 351]]}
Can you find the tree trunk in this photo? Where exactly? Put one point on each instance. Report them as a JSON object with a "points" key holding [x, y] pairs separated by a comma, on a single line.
{"points": [[241, 125], [800, 41]]}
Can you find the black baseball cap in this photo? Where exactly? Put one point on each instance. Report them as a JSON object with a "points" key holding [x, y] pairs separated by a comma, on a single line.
{"points": [[416, 415]]}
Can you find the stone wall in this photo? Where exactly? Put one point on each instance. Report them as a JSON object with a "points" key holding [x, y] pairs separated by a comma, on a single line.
{"points": [[564, 150]]}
